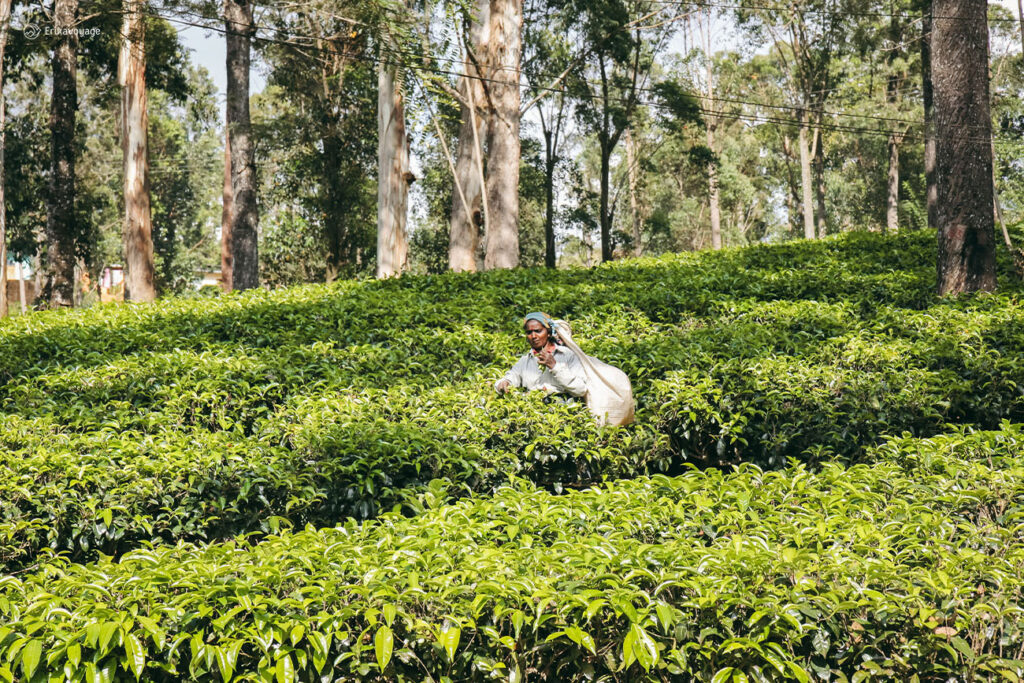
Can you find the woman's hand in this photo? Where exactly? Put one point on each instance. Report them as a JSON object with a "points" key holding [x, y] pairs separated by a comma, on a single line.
{"points": [[546, 358], [503, 386]]}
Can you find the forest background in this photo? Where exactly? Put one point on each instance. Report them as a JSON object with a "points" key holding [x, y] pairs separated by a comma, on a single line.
{"points": [[648, 126]]}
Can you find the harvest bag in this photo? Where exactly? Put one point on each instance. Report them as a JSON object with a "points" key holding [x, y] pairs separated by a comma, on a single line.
{"points": [[609, 393]]}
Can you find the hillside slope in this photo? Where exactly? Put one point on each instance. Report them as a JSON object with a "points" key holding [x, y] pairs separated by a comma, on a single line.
{"points": [[824, 479], [198, 420]]}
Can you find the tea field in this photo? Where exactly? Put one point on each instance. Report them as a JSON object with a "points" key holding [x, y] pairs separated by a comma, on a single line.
{"points": [[824, 481]]}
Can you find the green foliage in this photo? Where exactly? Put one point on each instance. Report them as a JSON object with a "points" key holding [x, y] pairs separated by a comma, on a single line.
{"points": [[499, 539], [906, 568], [184, 159], [205, 418]]}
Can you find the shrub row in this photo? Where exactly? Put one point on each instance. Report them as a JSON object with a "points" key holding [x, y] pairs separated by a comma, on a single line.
{"points": [[327, 458], [795, 382], [319, 403], [907, 568], [352, 313]]}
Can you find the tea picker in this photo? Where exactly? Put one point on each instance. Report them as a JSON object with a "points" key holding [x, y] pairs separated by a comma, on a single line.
{"points": [[556, 365]]}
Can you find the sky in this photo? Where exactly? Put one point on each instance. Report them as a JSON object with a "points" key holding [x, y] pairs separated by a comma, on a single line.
{"points": [[208, 50]]}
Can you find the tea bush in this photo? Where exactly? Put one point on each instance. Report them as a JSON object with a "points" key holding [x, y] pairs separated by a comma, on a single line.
{"points": [[905, 567], [347, 455], [202, 419]]}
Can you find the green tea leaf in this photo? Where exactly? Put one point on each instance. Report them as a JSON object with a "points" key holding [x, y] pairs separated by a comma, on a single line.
{"points": [[30, 655], [136, 654], [383, 645], [285, 669], [449, 639]]}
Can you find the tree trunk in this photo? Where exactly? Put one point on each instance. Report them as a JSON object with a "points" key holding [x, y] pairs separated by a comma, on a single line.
{"points": [[550, 161], [892, 96], [464, 233], [333, 198], [634, 193], [393, 175], [714, 209], [606, 214], [505, 51], [963, 131], [225, 219], [137, 232], [60, 215], [22, 296], [38, 276], [244, 218], [819, 175], [892, 207], [927, 93], [805, 177], [5, 22], [793, 196]]}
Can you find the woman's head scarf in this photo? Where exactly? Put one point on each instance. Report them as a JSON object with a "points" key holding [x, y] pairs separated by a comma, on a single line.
{"points": [[544, 319]]}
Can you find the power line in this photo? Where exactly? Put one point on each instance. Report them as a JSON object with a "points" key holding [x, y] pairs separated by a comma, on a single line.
{"points": [[445, 72], [763, 119], [825, 12], [753, 118]]}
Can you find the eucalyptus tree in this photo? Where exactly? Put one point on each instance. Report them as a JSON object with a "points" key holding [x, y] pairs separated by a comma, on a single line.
{"points": [[621, 39], [809, 38], [548, 58], [393, 174], [963, 136], [60, 218], [318, 126], [138, 222], [504, 54], [239, 30], [393, 157], [468, 201], [896, 76], [5, 23]]}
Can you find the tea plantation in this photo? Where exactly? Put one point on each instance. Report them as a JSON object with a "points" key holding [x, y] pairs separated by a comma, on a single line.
{"points": [[824, 481]]}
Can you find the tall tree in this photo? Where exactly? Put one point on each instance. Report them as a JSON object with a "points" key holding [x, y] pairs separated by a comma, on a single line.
{"points": [[503, 146], [137, 235], [711, 126], [320, 113], [5, 23], [61, 228], [244, 219], [393, 174], [928, 98], [809, 37], [467, 202], [547, 60], [225, 220], [963, 132], [621, 39], [896, 77]]}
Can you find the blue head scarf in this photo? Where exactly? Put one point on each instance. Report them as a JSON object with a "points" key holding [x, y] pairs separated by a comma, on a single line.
{"points": [[544, 319]]}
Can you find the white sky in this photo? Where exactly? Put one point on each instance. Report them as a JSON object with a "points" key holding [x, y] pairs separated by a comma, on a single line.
{"points": [[208, 50]]}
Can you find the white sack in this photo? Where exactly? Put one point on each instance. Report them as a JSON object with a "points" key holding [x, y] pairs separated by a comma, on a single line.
{"points": [[609, 392]]}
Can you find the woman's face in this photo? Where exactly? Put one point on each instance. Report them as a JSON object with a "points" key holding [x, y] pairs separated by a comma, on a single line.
{"points": [[536, 334]]}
